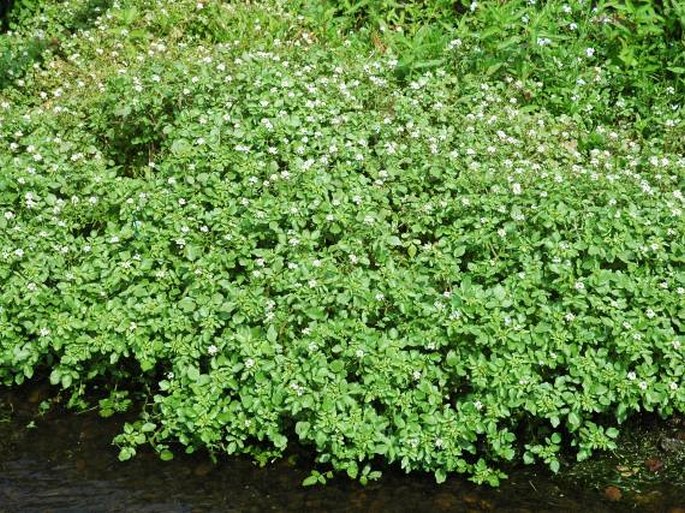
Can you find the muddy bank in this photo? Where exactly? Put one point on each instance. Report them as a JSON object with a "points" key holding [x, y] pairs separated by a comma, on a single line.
{"points": [[62, 462]]}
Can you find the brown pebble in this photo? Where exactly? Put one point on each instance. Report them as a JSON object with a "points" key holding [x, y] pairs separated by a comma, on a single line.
{"points": [[654, 464], [652, 497], [613, 493], [444, 502], [203, 469], [486, 505], [38, 394], [470, 498]]}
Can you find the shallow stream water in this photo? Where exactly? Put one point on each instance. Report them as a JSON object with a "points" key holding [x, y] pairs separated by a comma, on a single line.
{"points": [[66, 464]]}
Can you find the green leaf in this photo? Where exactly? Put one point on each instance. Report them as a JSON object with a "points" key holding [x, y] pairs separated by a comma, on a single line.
{"points": [[66, 380], [187, 304], [126, 453], [55, 377], [192, 252], [302, 428], [181, 147], [612, 432], [337, 366], [574, 420], [554, 465], [310, 481], [148, 427]]}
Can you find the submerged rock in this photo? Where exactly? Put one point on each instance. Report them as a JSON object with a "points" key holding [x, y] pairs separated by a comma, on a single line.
{"points": [[672, 445], [613, 493]]}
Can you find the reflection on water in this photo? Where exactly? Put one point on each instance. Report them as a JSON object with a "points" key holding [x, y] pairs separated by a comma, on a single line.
{"points": [[66, 465]]}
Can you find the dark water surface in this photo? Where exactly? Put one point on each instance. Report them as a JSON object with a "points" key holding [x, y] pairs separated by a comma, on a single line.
{"points": [[66, 465]]}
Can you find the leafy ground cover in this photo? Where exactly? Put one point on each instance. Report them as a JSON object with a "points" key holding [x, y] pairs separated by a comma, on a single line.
{"points": [[446, 238]]}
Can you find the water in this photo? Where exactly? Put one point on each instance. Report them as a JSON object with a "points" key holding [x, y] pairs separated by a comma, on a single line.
{"points": [[67, 465]]}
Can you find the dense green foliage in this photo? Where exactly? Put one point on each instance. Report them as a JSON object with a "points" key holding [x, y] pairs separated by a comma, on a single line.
{"points": [[444, 248]]}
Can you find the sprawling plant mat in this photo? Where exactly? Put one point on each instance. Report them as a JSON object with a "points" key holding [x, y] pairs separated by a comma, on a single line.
{"points": [[268, 242]]}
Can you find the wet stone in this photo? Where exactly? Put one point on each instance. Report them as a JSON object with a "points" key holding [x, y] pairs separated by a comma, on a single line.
{"points": [[80, 464], [613, 493], [203, 469], [672, 445], [39, 394], [470, 498], [445, 502], [654, 464]]}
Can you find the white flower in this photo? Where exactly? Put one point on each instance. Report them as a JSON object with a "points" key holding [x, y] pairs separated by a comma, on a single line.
{"points": [[182, 201], [249, 363], [416, 375], [455, 43], [212, 350], [590, 52], [569, 317], [44, 332], [643, 385], [579, 285], [19, 252], [478, 405], [516, 188], [676, 344], [631, 375], [673, 386], [650, 313], [9, 215], [380, 297]]}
